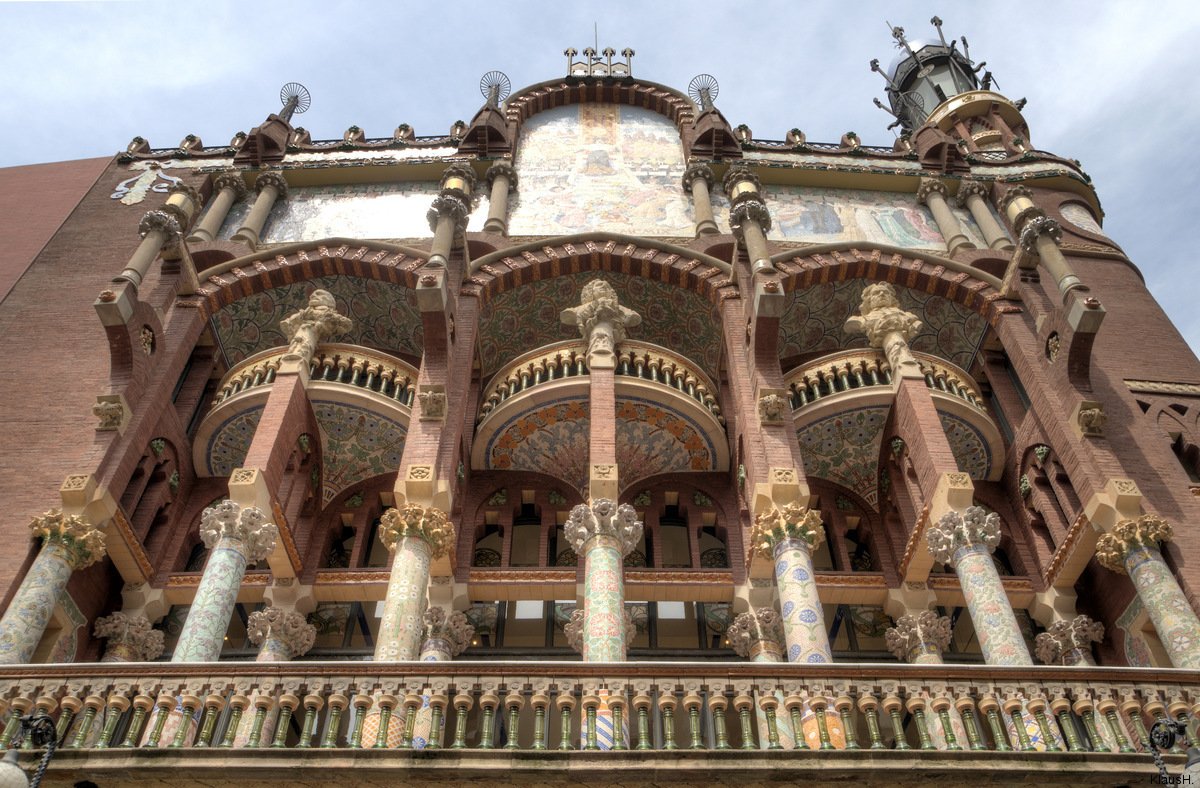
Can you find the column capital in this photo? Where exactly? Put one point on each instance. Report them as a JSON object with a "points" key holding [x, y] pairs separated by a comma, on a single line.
{"points": [[275, 180], [417, 521], [887, 326], [501, 169], [451, 206], [317, 321], [956, 530], [161, 221], [748, 209], [454, 628], [459, 178], [291, 628], [929, 187], [601, 320], [1128, 535], [83, 541], [1035, 227], [1013, 194], [913, 631], [775, 526], [698, 171], [603, 518], [135, 632], [739, 174], [1062, 637], [233, 181], [248, 525], [183, 203], [750, 628], [967, 188]]}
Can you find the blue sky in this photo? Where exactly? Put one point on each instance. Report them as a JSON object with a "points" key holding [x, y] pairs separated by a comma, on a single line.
{"points": [[1108, 83]]}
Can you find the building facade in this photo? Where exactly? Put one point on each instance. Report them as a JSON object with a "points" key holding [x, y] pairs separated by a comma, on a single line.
{"points": [[599, 424]]}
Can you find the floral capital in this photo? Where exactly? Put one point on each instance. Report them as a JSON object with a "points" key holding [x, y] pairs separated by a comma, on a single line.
{"points": [[81, 539], [249, 525], [1129, 535], [415, 520], [1063, 637], [455, 629], [291, 628], [604, 518], [912, 631], [792, 522], [956, 530], [749, 628], [133, 631]]}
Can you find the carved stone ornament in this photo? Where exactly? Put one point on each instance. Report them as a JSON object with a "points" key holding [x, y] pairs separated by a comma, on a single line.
{"points": [[232, 181], [452, 207], [773, 407], [274, 180], [1053, 346], [292, 628], [792, 522], [739, 174], [967, 188], [1037, 227], [147, 339], [886, 325], [956, 530], [501, 169], [748, 210], [455, 629], [1063, 637], [191, 194], [417, 521], [603, 518], [433, 405], [929, 187], [1014, 193], [574, 630], [81, 538], [748, 628], [601, 321], [133, 631], [458, 172], [912, 631], [306, 328], [1092, 418], [695, 172], [162, 222], [110, 415], [249, 525], [1128, 535]]}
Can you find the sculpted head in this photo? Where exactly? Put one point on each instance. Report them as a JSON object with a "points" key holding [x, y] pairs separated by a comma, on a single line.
{"points": [[597, 289], [321, 298], [879, 296]]}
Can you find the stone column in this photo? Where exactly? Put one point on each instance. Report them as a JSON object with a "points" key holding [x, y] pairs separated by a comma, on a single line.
{"points": [[973, 196], [271, 186], [236, 536], [966, 543], [698, 179], [229, 187], [158, 229], [130, 638], [1038, 236], [416, 536], [501, 178], [758, 635], [1069, 642], [933, 193], [1132, 548], [919, 639], [69, 542], [449, 213], [788, 537], [445, 635], [749, 218], [604, 533], [280, 636]]}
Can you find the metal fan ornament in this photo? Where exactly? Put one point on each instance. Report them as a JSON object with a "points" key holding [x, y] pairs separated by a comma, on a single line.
{"points": [[296, 100], [495, 87], [703, 90]]}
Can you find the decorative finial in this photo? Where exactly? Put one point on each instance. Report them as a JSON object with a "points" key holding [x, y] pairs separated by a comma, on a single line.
{"points": [[495, 87], [296, 100], [703, 90]]}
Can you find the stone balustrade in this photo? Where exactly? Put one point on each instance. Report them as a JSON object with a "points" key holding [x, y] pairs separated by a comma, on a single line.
{"points": [[348, 365], [855, 369], [569, 359]]}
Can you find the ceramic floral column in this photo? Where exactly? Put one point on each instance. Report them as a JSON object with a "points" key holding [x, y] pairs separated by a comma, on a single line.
{"points": [[416, 535], [603, 534], [1069, 642], [130, 638]]}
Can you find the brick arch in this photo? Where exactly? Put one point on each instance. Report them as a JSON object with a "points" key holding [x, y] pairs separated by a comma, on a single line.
{"points": [[669, 103]]}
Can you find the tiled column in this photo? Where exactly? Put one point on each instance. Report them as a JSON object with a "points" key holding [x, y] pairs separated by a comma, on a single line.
{"points": [[229, 188], [699, 180], [271, 186], [1132, 548], [1069, 642], [966, 543], [788, 537], [445, 635], [933, 193], [920, 639], [416, 536], [236, 536], [280, 636], [130, 638], [604, 533], [758, 635], [501, 178], [973, 196], [69, 542]]}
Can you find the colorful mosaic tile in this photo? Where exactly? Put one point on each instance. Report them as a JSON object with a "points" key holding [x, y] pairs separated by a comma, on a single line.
{"points": [[1078, 215], [1137, 652], [844, 448], [358, 444], [385, 316], [552, 439], [653, 438], [527, 317], [814, 321], [230, 442], [970, 448], [589, 166]]}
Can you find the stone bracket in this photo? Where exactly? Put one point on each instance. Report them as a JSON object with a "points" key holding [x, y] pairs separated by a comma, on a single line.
{"points": [[432, 294]]}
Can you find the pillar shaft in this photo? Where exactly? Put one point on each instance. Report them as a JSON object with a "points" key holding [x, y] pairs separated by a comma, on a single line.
{"points": [[408, 584], [803, 618], [271, 186], [497, 219], [210, 225], [204, 631], [26, 618], [993, 233], [1000, 637], [138, 265], [603, 601], [948, 225], [702, 206], [1165, 603]]}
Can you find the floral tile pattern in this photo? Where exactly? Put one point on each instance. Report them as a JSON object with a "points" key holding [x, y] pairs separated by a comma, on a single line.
{"points": [[385, 316], [525, 318], [552, 439], [1137, 652], [653, 438], [844, 448], [970, 448], [358, 444], [229, 443], [814, 319]]}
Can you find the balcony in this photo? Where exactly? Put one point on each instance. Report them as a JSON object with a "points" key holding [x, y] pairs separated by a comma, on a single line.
{"points": [[725, 723], [852, 370]]}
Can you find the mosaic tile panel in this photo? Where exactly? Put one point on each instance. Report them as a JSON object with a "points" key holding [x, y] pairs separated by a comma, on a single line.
{"points": [[358, 444], [385, 316], [803, 617], [653, 438], [970, 448], [814, 319], [599, 166], [844, 448], [229, 443], [29, 613], [1137, 652], [68, 642], [1174, 620], [552, 439], [817, 214], [823, 161], [525, 318], [1080, 216]]}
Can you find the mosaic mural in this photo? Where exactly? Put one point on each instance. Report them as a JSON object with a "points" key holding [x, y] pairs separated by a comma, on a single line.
{"points": [[229, 443], [824, 161], [552, 439], [970, 448], [527, 317], [385, 316], [814, 319], [844, 448], [652, 438], [1080, 216], [599, 166], [350, 210], [358, 444]]}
